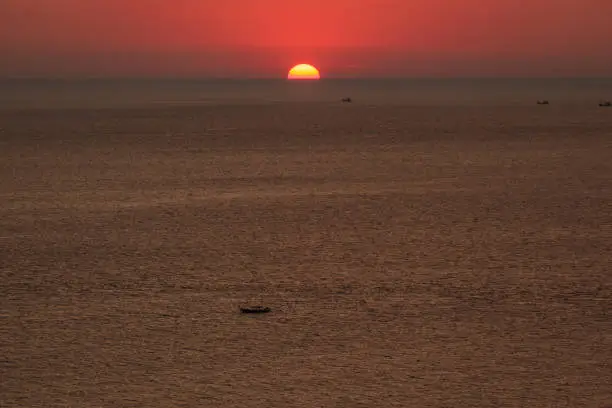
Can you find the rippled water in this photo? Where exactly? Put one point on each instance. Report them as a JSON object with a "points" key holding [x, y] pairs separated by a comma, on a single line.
{"points": [[427, 256]]}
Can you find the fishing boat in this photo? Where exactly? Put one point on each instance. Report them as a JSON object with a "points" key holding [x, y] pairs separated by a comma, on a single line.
{"points": [[255, 309]]}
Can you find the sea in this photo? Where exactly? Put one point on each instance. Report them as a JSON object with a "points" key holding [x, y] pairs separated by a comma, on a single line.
{"points": [[432, 243], [130, 92]]}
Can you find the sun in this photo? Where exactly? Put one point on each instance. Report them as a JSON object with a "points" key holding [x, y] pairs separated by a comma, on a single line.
{"points": [[303, 71]]}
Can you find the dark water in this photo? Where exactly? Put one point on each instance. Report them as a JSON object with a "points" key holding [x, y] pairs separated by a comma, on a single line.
{"points": [[439, 254], [431, 92]]}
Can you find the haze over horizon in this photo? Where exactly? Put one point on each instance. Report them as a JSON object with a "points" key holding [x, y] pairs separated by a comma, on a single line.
{"points": [[240, 38]]}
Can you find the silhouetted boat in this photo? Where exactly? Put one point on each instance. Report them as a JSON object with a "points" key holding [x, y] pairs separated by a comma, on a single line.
{"points": [[255, 309], [543, 102], [347, 100], [606, 103]]}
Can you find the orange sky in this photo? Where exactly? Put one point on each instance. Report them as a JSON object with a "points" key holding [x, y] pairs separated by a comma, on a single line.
{"points": [[341, 37]]}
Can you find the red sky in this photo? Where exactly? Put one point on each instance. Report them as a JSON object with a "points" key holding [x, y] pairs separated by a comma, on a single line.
{"points": [[341, 37]]}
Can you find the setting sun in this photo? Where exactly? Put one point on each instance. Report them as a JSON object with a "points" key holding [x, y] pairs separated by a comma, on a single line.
{"points": [[303, 71]]}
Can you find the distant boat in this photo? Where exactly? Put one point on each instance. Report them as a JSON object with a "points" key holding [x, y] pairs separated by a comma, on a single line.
{"points": [[347, 100], [543, 102], [606, 103], [255, 309]]}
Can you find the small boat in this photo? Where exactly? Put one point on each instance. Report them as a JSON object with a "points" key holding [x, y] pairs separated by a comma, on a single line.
{"points": [[255, 309], [606, 103], [347, 100], [543, 102]]}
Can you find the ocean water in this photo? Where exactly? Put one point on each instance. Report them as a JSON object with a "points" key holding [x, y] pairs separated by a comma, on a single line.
{"points": [[433, 244], [425, 92]]}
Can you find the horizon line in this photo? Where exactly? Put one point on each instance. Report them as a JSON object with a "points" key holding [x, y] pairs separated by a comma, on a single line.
{"points": [[284, 78]]}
